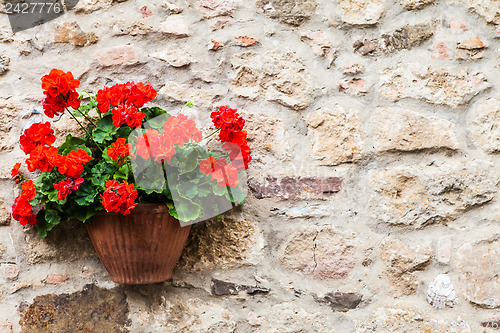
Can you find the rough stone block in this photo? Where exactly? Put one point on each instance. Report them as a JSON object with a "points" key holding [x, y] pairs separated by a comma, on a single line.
{"points": [[452, 86], [420, 195], [320, 251], [337, 135], [479, 266], [402, 130]]}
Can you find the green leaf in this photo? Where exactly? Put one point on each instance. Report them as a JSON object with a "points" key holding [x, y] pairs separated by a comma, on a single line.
{"points": [[236, 194], [101, 172], [186, 209], [82, 213], [189, 190], [85, 194], [104, 129], [46, 220], [122, 173], [70, 144], [154, 112]]}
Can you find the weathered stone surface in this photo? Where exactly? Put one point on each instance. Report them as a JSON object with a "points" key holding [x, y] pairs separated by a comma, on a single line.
{"points": [[267, 136], [220, 288], [404, 38], [10, 271], [306, 212], [191, 316], [55, 279], [443, 250], [183, 93], [452, 86], [485, 125], [479, 266], [276, 77], [420, 195], [118, 55], [93, 309], [293, 12], [320, 251], [68, 241], [3, 249], [487, 9], [401, 261], [354, 86], [125, 28], [71, 33], [415, 4], [409, 320], [89, 6], [340, 301], [5, 216], [295, 187], [222, 243], [214, 8], [4, 64], [175, 26], [287, 317], [172, 6], [66, 125], [360, 12], [8, 113], [174, 57], [441, 51], [337, 135], [471, 49], [5, 328], [403, 130], [245, 41]]}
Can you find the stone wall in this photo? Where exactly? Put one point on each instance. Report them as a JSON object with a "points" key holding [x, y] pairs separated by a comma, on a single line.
{"points": [[373, 195]]}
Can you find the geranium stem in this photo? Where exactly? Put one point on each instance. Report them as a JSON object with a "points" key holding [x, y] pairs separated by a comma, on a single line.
{"points": [[217, 130], [83, 127]]}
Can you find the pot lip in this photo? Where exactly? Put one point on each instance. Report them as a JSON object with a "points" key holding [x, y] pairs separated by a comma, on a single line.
{"points": [[143, 208]]}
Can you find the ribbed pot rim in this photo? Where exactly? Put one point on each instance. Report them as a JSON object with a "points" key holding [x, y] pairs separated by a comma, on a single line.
{"points": [[142, 208]]}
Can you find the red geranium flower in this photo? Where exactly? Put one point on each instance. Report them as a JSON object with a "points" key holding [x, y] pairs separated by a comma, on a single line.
{"points": [[225, 174], [22, 209], [119, 150], [43, 158], [38, 134], [119, 197], [67, 186], [60, 89], [57, 82], [15, 171], [127, 113], [72, 164]]}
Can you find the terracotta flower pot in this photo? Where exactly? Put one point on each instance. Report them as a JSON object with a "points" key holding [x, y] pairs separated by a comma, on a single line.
{"points": [[139, 248]]}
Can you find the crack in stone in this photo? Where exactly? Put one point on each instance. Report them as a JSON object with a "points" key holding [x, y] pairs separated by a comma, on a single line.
{"points": [[314, 251]]}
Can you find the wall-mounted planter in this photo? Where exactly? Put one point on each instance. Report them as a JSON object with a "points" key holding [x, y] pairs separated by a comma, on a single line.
{"points": [[139, 248]]}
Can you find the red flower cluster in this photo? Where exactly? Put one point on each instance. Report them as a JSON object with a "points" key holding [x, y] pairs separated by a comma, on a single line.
{"points": [[177, 130], [60, 91], [72, 164], [231, 131], [22, 210], [225, 174], [119, 151], [43, 158], [125, 99], [67, 186], [38, 134], [119, 197]]}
